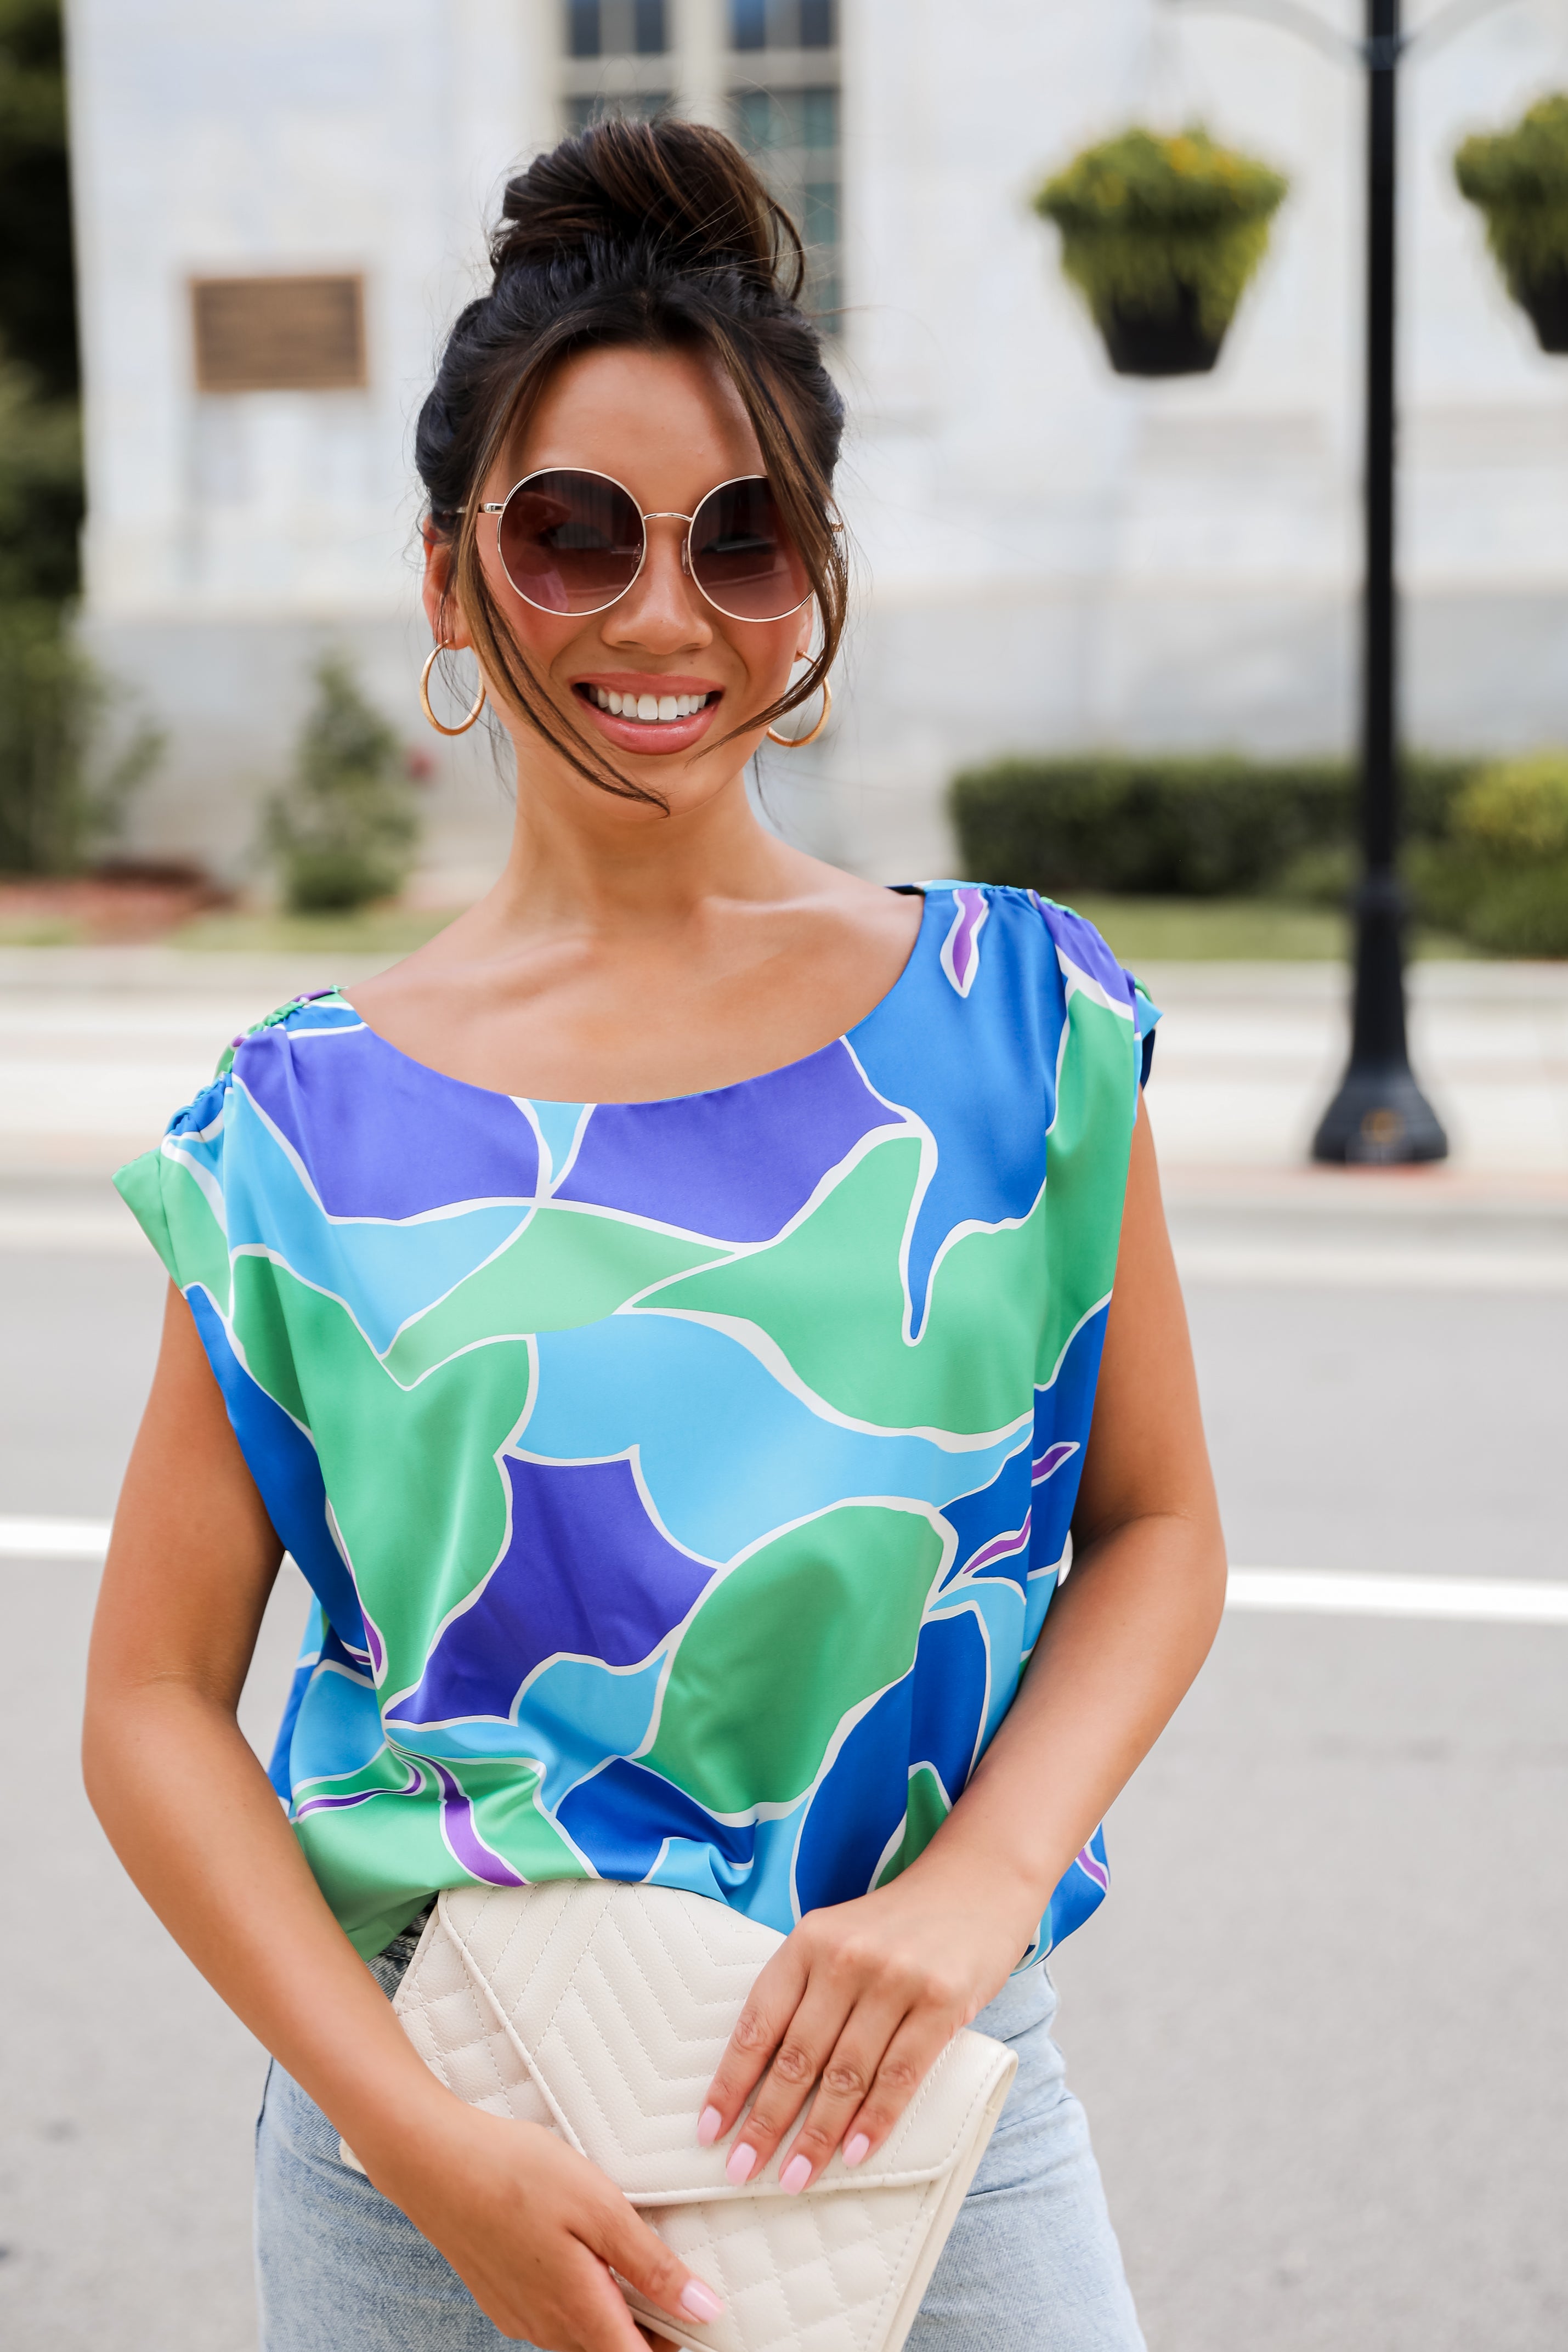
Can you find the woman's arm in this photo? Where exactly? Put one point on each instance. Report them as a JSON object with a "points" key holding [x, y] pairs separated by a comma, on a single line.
{"points": [[530, 2226], [868, 1993]]}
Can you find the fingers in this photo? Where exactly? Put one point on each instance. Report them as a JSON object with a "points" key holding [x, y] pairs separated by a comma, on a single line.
{"points": [[805, 2048], [624, 2240], [863, 2014], [863, 2095], [759, 2029]]}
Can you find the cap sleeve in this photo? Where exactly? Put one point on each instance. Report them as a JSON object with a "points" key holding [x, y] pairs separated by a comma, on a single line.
{"points": [[175, 1191], [1093, 966]]}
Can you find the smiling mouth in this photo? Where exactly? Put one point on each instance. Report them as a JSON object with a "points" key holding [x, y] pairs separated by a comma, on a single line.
{"points": [[651, 710]]}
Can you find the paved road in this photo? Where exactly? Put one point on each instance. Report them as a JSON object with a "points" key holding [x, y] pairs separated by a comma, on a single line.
{"points": [[1319, 2026]]}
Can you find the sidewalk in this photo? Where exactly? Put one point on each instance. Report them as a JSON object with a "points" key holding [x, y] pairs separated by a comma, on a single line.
{"points": [[98, 1045]]}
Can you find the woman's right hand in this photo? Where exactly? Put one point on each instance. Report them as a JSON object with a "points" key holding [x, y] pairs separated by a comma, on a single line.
{"points": [[534, 2229]]}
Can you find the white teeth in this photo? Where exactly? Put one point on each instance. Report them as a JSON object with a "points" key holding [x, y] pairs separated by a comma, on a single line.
{"points": [[659, 708]]}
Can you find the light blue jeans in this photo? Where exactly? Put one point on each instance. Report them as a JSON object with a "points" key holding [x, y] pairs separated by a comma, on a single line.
{"points": [[1032, 2263]]}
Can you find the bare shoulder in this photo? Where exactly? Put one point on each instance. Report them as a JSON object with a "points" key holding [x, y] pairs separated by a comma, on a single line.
{"points": [[832, 901]]}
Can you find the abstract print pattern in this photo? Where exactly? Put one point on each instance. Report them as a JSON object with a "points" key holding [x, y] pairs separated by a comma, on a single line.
{"points": [[683, 1485]]}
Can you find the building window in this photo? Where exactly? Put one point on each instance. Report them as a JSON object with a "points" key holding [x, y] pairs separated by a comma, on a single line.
{"points": [[617, 28], [778, 82], [615, 60], [650, 35], [784, 110], [782, 25]]}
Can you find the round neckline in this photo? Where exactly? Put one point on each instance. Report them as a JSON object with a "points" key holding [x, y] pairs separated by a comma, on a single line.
{"points": [[924, 892]]}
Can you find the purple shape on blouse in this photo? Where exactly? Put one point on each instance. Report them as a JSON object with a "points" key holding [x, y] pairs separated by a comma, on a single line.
{"points": [[414, 1780], [736, 1163], [381, 1136], [961, 948], [1003, 1547], [1083, 945], [467, 1846], [1046, 1464], [1091, 1867], [585, 1573]]}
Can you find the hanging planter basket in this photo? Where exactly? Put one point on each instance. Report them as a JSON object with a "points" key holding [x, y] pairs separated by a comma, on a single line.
{"points": [[1161, 235], [1519, 179]]}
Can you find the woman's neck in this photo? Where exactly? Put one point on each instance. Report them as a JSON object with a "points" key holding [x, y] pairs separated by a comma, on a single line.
{"points": [[580, 860]]}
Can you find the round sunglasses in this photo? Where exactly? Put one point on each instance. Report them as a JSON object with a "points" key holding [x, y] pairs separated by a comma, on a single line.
{"points": [[573, 541]]}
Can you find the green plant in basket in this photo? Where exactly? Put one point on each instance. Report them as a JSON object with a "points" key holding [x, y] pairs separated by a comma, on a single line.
{"points": [[1161, 235], [1519, 179], [342, 832]]}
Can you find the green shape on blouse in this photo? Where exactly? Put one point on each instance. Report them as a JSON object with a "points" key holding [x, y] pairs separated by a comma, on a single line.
{"points": [[791, 1639], [566, 1268], [984, 1315], [928, 1809]]}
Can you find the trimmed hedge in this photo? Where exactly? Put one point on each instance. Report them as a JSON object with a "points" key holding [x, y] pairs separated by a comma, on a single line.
{"points": [[1201, 827], [1500, 876]]}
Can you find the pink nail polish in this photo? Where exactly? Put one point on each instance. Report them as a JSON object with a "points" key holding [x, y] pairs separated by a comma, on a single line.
{"points": [[795, 2175], [699, 2302], [856, 2150], [742, 2162], [708, 2123]]}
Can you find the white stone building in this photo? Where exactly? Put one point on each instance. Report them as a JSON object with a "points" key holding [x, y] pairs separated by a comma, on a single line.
{"points": [[1051, 556]]}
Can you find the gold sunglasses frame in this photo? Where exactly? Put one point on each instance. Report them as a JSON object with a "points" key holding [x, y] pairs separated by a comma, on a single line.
{"points": [[498, 506]]}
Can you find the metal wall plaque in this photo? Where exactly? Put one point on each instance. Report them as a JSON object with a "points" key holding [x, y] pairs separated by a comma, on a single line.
{"points": [[279, 334]]}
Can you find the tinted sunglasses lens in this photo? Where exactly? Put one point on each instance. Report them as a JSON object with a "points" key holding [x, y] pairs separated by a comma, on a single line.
{"points": [[570, 543], [743, 559]]}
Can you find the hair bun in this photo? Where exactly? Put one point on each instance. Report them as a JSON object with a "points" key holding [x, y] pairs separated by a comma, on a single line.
{"points": [[676, 188]]}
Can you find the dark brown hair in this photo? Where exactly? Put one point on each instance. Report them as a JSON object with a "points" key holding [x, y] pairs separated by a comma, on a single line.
{"points": [[658, 235]]}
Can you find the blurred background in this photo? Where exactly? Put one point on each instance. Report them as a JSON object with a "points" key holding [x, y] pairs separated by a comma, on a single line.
{"points": [[1093, 277]]}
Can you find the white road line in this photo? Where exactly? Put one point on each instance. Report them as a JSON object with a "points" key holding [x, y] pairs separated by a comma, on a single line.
{"points": [[53, 1538], [1316, 1591], [1478, 1600]]}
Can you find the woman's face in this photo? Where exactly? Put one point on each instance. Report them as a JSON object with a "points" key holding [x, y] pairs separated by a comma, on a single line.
{"points": [[669, 426]]}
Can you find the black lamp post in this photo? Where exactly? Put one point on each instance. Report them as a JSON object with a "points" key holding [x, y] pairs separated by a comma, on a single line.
{"points": [[1379, 1116]]}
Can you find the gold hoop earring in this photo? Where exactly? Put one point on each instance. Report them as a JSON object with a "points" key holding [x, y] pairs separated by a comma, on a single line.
{"points": [[798, 742], [462, 728]]}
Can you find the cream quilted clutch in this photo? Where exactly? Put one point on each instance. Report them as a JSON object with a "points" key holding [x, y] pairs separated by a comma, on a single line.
{"points": [[601, 2010]]}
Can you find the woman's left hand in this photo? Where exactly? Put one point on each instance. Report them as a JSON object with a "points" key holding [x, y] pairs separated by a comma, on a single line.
{"points": [[866, 1995]]}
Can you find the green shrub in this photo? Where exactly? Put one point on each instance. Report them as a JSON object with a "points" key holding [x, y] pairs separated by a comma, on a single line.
{"points": [[343, 830], [1205, 826], [1197, 828], [71, 751], [1500, 877], [1143, 217], [1519, 179]]}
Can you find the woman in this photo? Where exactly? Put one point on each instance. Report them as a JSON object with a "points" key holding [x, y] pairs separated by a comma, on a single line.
{"points": [[662, 1317]]}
